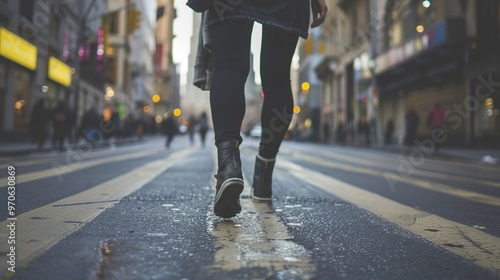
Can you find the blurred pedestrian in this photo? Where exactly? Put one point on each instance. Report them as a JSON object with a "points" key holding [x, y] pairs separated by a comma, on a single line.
{"points": [[89, 126], [191, 128], [203, 127], [364, 132], [227, 36], [411, 124], [435, 116], [435, 119], [170, 129], [388, 132], [61, 121], [39, 121]]}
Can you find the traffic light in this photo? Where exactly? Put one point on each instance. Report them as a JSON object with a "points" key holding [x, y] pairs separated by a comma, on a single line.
{"points": [[133, 20]]}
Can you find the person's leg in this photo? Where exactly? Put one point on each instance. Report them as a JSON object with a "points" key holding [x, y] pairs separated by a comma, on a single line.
{"points": [[231, 54], [277, 51]]}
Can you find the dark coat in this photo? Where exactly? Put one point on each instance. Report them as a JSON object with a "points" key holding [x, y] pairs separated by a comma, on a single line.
{"points": [[40, 117], [289, 15], [61, 119]]}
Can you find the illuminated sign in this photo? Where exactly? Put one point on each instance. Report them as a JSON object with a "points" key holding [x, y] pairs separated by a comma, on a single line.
{"points": [[18, 50], [59, 72]]}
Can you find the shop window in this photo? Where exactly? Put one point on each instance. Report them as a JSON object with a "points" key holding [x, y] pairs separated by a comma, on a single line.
{"points": [[22, 98], [26, 8], [427, 14]]}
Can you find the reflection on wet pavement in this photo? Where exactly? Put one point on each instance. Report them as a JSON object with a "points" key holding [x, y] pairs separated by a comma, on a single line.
{"points": [[257, 238]]}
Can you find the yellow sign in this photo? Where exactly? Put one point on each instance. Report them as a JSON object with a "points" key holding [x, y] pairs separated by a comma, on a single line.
{"points": [[59, 71], [16, 49]]}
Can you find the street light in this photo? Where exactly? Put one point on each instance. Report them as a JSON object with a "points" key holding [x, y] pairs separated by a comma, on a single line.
{"points": [[177, 112], [156, 98]]}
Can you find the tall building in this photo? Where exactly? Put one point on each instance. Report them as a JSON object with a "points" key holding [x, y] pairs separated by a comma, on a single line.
{"points": [[143, 46], [44, 49], [166, 71], [194, 101]]}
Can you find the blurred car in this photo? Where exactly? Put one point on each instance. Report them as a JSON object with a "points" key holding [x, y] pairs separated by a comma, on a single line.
{"points": [[256, 131]]}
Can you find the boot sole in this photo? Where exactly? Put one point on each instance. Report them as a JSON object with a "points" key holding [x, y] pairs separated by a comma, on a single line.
{"points": [[261, 198], [226, 203]]}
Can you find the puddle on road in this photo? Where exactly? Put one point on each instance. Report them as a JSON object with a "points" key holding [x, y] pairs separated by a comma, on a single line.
{"points": [[257, 239]]}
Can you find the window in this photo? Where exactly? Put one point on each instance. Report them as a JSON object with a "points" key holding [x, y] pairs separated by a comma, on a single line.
{"points": [[26, 8], [396, 29], [55, 23], [114, 23], [22, 98]]}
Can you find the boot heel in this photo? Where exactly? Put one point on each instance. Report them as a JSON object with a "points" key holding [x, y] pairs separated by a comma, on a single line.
{"points": [[262, 179]]}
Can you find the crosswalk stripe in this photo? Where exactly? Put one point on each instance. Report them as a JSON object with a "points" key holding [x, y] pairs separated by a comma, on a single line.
{"points": [[392, 178], [54, 221], [257, 238], [467, 242], [423, 173], [71, 165]]}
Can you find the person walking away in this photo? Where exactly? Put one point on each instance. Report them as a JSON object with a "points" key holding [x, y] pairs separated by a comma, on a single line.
{"points": [[203, 128], [411, 124], [170, 129], [89, 126], [388, 132], [364, 132], [191, 128], [61, 120], [435, 118], [225, 40], [39, 120]]}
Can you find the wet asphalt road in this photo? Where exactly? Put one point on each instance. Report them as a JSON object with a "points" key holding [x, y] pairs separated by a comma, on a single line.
{"points": [[107, 214]]}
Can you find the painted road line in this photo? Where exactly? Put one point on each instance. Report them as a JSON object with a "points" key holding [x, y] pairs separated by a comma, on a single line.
{"points": [[60, 168], [467, 242], [257, 238], [393, 178], [417, 172], [41, 228], [80, 153], [393, 165]]}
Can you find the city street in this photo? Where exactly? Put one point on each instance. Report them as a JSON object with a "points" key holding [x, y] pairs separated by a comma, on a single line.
{"points": [[140, 211]]}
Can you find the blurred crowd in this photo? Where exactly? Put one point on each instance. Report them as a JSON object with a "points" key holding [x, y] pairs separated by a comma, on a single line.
{"points": [[60, 126]]}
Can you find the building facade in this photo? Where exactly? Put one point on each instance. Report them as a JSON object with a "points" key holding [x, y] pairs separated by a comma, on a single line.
{"points": [[386, 58], [40, 57]]}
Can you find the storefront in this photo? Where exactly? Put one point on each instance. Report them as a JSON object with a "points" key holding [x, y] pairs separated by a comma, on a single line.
{"points": [[425, 70], [19, 60]]}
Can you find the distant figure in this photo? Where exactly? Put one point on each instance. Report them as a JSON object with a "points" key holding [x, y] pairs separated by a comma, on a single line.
{"points": [[326, 132], [388, 132], [169, 128], [89, 126], [61, 121], [364, 132], [191, 128], [39, 120], [339, 133], [203, 127], [435, 116], [411, 124]]}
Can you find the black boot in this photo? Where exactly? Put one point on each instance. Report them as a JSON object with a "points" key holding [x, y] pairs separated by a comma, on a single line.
{"points": [[263, 179], [229, 180]]}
